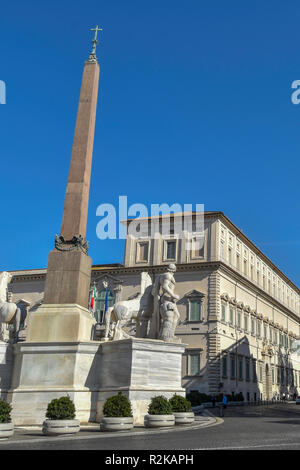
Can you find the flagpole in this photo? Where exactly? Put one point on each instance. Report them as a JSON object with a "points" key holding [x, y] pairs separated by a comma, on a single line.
{"points": [[105, 285]]}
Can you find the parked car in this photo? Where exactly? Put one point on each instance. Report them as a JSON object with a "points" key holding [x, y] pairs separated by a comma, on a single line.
{"points": [[298, 401]]}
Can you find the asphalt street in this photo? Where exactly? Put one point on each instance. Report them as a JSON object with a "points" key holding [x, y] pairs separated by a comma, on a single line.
{"points": [[258, 427]]}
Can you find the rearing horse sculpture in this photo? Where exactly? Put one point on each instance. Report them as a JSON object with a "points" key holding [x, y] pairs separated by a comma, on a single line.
{"points": [[139, 308], [9, 312]]}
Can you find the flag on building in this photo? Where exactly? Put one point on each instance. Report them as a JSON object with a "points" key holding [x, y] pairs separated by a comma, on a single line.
{"points": [[93, 299], [106, 301]]}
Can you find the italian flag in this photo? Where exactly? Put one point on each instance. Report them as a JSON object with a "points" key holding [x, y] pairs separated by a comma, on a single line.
{"points": [[93, 297]]}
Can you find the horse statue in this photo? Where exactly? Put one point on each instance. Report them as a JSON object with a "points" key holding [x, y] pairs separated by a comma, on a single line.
{"points": [[9, 312], [123, 312]]}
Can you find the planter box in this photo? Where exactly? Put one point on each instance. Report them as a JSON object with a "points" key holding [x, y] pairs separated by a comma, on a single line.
{"points": [[116, 424], [6, 430], [159, 421], [184, 417], [56, 427]]}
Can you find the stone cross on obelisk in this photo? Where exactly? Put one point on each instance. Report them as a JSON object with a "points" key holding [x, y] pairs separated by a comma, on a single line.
{"points": [[69, 266]]}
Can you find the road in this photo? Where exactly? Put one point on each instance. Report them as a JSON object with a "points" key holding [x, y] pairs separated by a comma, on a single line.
{"points": [[259, 427]]}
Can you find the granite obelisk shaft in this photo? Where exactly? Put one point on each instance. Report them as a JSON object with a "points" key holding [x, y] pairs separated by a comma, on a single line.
{"points": [[69, 266], [77, 194]]}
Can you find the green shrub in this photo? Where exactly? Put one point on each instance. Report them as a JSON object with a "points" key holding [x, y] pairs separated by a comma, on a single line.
{"points": [[239, 397], [61, 408], [180, 404], [160, 405], [117, 406], [5, 410], [196, 398]]}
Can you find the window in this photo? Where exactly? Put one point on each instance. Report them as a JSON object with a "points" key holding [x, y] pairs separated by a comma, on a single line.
{"points": [[222, 249], [275, 337], [194, 364], [238, 262], [223, 315], [245, 267], [239, 319], [241, 375], [224, 366], [281, 339], [258, 329], [198, 247], [254, 371], [265, 331], [260, 373], [231, 316], [232, 367], [246, 322], [252, 326], [247, 369], [229, 255], [194, 300], [143, 249], [195, 310], [273, 375], [171, 250], [271, 334]]}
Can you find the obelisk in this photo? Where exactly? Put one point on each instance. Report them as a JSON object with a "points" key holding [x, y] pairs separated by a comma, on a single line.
{"points": [[69, 266]]}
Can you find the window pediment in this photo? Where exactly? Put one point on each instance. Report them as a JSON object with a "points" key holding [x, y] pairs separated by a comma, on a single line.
{"points": [[194, 294]]}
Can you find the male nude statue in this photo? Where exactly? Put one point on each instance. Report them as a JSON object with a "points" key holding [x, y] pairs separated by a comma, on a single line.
{"points": [[165, 314]]}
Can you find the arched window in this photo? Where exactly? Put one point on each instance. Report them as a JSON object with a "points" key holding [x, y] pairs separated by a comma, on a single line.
{"points": [[100, 304]]}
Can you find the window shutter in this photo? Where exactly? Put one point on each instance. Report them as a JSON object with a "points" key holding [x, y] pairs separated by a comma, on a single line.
{"points": [[195, 306], [195, 364]]}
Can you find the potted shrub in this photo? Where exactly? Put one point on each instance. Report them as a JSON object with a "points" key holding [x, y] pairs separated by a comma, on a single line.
{"points": [[6, 426], [160, 413], [61, 417], [182, 410], [117, 414]]}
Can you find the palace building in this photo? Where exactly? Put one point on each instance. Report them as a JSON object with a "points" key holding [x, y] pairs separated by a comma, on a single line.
{"points": [[239, 314]]}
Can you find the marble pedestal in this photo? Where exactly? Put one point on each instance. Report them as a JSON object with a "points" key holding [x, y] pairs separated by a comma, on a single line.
{"points": [[90, 372], [141, 369], [60, 323], [6, 368], [43, 371]]}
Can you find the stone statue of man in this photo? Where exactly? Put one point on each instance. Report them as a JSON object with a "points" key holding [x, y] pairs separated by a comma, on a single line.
{"points": [[165, 313]]}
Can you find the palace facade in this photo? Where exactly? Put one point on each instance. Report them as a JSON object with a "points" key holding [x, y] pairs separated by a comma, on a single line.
{"points": [[240, 315]]}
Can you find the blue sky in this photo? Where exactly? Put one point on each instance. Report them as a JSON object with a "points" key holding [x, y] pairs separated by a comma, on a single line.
{"points": [[194, 107]]}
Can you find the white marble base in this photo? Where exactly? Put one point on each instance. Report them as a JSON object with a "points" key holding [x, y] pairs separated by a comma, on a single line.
{"points": [[44, 371], [6, 368], [90, 372], [142, 369]]}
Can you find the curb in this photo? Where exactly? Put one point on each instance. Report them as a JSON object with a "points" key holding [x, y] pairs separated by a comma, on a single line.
{"points": [[208, 422]]}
